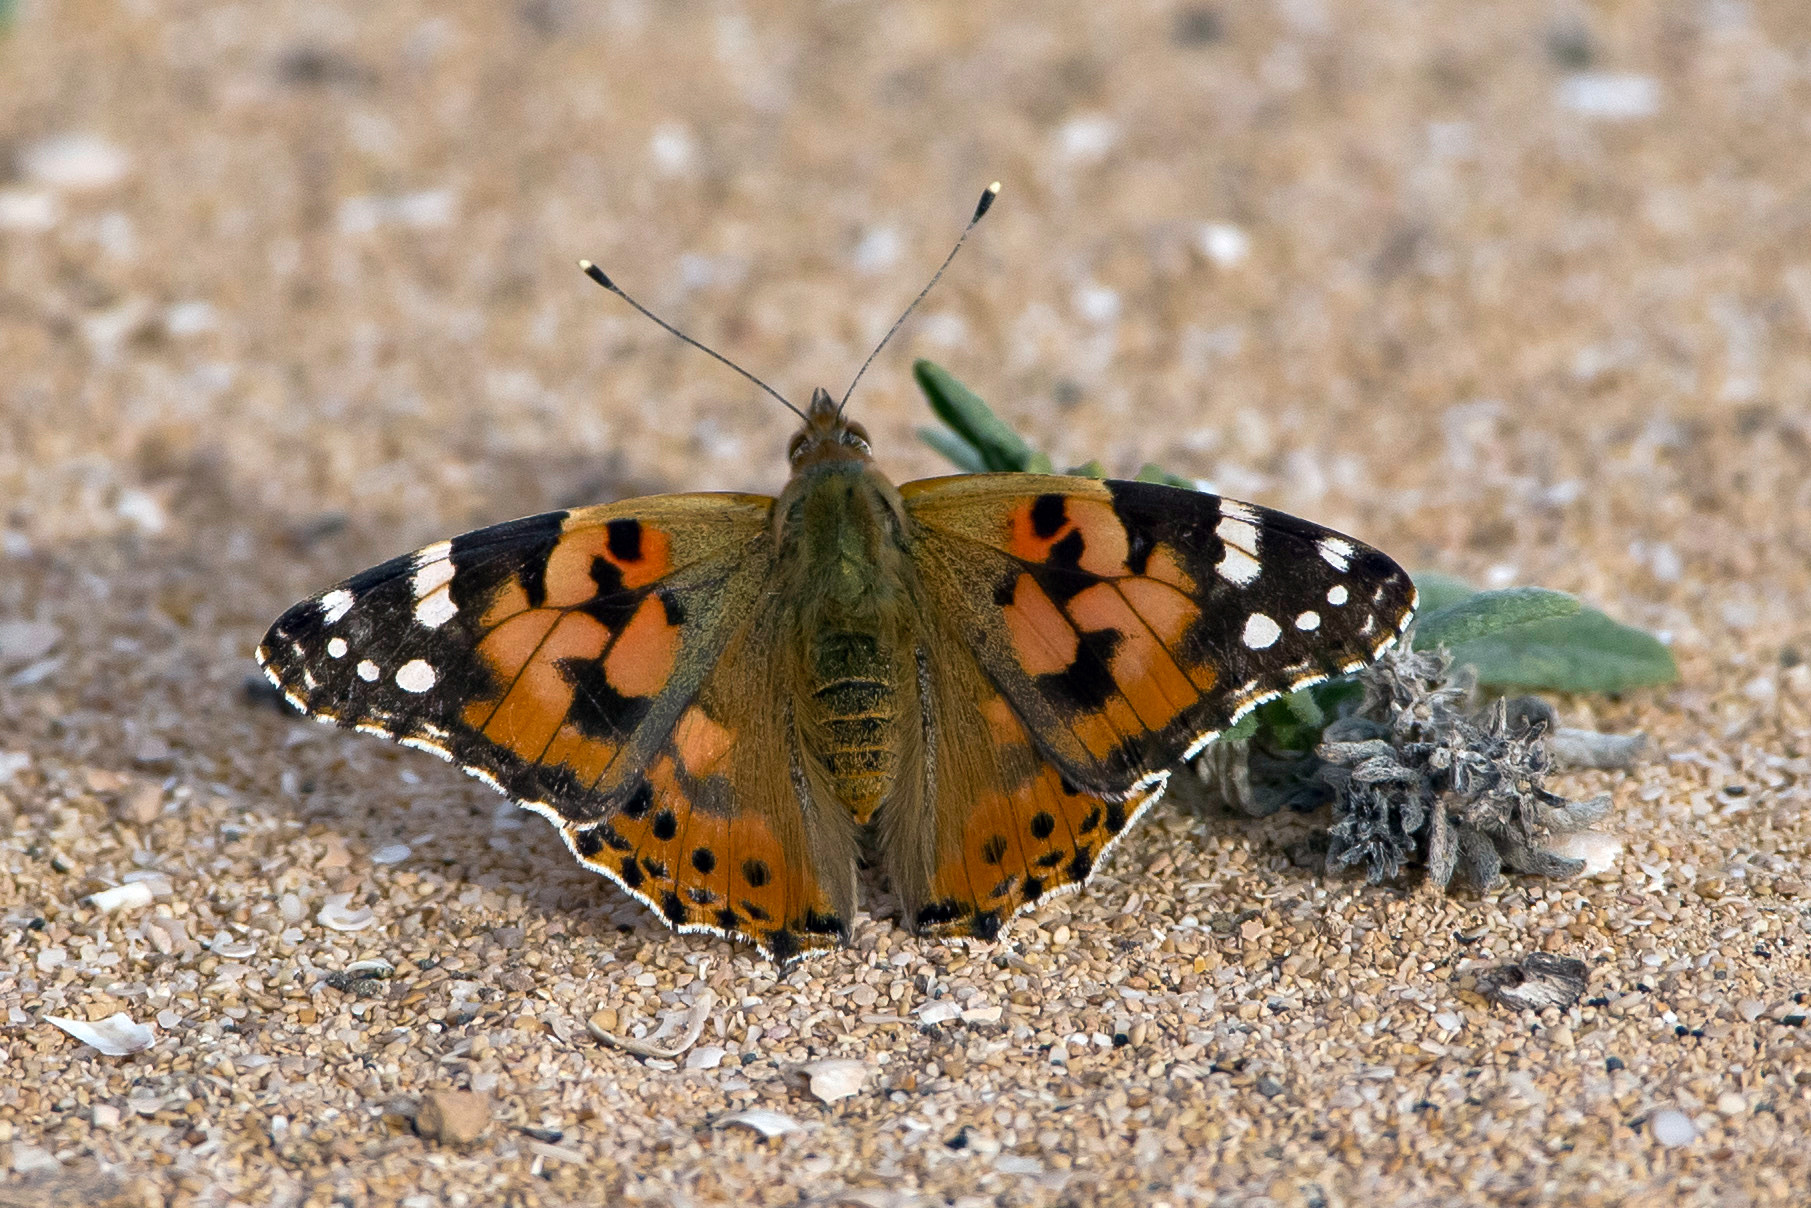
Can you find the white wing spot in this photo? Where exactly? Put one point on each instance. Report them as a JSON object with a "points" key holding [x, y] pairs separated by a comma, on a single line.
{"points": [[368, 671], [1337, 594], [436, 609], [430, 577], [1308, 621], [336, 648], [415, 676], [1261, 632], [335, 604], [1239, 559], [1338, 552], [1232, 509]]}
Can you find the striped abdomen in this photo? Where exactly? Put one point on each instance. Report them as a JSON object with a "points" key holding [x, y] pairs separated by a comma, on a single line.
{"points": [[853, 708]]}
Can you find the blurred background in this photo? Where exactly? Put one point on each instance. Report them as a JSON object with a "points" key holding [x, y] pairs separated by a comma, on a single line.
{"points": [[1361, 260], [1519, 291]]}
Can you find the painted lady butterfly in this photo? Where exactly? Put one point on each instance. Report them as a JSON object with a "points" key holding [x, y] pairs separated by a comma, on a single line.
{"points": [[724, 701]]}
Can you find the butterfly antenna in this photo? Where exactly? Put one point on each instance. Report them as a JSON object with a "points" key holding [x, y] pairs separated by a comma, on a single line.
{"points": [[597, 274], [987, 200]]}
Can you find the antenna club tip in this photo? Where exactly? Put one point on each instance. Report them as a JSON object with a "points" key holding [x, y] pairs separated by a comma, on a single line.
{"points": [[987, 200], [596, 274]]}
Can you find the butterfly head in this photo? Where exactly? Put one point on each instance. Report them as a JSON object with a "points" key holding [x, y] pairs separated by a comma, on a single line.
{"points": [[827, 436]]}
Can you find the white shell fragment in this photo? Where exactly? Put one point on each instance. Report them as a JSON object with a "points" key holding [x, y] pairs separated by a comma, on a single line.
{"points": [[763, 1120], [707, 1057], [938, 1011], [694, 1028], [1599, 851], [225, 946], [116, 1036], [131, 896], [836, 1078], [336, 913]]}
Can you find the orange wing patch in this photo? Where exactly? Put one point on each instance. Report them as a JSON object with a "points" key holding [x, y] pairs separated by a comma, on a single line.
{"points": [[1026, 834], [681, 843], [1045, 640], [641, 657]]}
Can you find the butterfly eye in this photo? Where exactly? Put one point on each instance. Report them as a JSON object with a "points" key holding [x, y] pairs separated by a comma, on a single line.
{"points": [[797, 446], [856, 436]]}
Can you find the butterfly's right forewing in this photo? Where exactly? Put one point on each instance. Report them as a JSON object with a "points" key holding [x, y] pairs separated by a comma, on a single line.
{"points": [[1128, 623]]}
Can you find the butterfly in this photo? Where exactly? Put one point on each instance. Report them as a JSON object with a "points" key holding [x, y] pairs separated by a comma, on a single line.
{"points": [[727, 702]]}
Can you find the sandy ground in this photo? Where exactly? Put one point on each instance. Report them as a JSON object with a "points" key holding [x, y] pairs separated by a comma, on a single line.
{"points": [[1517, 292]]}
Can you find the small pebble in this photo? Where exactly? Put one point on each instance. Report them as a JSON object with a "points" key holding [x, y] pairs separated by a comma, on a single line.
{"points": [[452, 1117], [140, 805], [291, 908], [1732, 1103], [25, 641], [76, 162], [12, 763], [28, 211], [1750, 1009], [392, 853], [1610, 97], [105, 1117], [1226, 245], [1673, 1128]]}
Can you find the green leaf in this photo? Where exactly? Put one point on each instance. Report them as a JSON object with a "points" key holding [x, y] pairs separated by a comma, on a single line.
{"points": [[1163, 478], [1089, 469], [1490, 612], [1240, 730], [961, 454], [997, 446], [1438, 590], [1292, 722], [1585, 652]]}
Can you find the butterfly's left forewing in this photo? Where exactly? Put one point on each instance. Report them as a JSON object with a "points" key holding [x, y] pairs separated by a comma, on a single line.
{"points": [[1118, 627]]}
